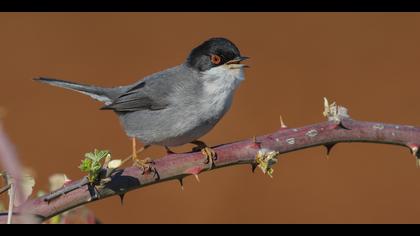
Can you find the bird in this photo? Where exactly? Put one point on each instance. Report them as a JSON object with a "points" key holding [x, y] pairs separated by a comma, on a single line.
{"points": [[175, 106]]}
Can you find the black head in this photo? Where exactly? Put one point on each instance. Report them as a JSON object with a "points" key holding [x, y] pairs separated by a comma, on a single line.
{"points": [[212, 53]]}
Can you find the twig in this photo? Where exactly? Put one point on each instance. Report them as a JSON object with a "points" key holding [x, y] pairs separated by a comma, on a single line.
{"points": [[4, 189], [66, 189], [259, 152], [10, 161], [11, 202]]}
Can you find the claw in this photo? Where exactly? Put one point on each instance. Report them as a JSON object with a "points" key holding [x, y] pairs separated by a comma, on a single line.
{"points": [[145, 165], [209, 153]]}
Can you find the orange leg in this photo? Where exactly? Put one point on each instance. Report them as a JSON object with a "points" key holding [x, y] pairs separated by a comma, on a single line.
{"points": [[143, 164], [134, 146]]}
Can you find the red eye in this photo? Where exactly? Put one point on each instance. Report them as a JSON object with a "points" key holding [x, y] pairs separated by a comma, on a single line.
{"points": [[215, 59]]}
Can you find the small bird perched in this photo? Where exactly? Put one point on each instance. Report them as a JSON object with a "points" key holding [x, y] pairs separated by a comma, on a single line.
{"points": [[175, 106]]}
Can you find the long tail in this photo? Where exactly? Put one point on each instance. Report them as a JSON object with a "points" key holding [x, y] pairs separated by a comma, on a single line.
{"points": [[94, 92]]}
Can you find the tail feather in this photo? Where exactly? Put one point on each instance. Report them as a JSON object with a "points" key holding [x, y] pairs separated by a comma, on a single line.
{"points": [[94, 92]]}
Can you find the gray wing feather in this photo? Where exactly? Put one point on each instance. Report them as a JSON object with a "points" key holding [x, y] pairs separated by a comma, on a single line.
{"points": [[152, 93]]}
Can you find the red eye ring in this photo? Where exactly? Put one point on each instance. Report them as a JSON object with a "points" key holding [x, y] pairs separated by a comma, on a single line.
{"points": [[215, 59]]}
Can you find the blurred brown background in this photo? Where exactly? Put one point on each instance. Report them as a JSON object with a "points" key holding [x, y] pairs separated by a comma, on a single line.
{"points": [[367, 62]]}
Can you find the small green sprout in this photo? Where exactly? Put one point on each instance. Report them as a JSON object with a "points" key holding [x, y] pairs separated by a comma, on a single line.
{"points": [[92, 164]]}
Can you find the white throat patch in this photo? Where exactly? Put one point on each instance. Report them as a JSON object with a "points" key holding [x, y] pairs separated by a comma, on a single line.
{"points": [[222, 79]]}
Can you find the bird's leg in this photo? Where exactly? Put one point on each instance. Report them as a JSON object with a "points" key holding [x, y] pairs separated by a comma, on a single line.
{"points": [[143, 164], [133, 145], [209, 153]]}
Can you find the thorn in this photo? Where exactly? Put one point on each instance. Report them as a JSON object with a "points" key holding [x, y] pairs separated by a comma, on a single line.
{"points": [[414, 150], [122, 198], [329, 147], [326, 103], [254, 166], [181, 182], [282, 125], [196, 177], [66, 180]]}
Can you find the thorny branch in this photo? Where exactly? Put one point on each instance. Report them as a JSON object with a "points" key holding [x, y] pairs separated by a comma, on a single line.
{"points": [[260, 152]]}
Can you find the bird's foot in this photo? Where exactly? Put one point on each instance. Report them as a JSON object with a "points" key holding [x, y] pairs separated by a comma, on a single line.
{"points": [[209, 153], [146, 165]]}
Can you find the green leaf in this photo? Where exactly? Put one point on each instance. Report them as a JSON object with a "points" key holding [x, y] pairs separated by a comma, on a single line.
{"points": [[86, 165], [101, 154], [92, 163], [97, 155], [90, 156], [96, 167]]}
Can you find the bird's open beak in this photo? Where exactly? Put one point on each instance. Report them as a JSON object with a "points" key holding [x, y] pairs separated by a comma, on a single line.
{"points": [[236, 63]]}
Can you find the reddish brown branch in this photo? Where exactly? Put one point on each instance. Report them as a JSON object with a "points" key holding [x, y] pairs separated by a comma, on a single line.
{"points": [[339, 128]]}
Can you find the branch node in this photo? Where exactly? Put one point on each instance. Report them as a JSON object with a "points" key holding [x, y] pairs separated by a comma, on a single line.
{"points": [[265, 159], [334, 112]]}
